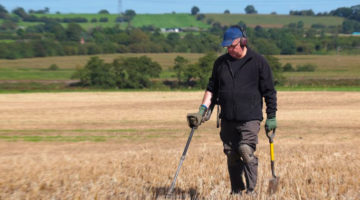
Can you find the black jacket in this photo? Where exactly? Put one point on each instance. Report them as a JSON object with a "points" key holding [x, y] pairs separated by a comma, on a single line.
{"points": [[240, 93]]}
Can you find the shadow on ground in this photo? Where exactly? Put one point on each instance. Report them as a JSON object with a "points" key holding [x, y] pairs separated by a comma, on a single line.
{"points": [[161, 193]]}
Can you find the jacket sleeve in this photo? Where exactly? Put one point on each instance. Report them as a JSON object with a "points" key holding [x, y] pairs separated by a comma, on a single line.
{"points": [[267, 88], [214, 82]]}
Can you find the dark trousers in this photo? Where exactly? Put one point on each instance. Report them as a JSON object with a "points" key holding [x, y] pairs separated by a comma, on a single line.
{"points": [[233, 134]]}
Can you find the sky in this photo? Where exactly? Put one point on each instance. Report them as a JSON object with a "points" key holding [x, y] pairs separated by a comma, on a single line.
{"points": [[178, 6]]}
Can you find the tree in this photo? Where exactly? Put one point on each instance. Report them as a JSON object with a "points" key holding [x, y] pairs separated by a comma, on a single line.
{"points": [[200, 17], [276, 69], [310, 33], [3, 9], [135, 72], [195, 10], [242, 24], [179, 68], [20, 12], [191, 73], [73, 32], [209, 21], [199, 72], [53, 67], [288, 68], [173, 39], [3, 12], [300, 24], [104, 12], [93, 49], [56, 29], [260, 32], [227, 11], [45, 11], [138, 36], [8, 25], [9, 51], [349, 26], [266, 47], [356, 13], [250, 9], [302, 12], [103, 19], [342, 12], [96, 73], [205, 65], [43, 48], [129, 15], [306, 67], [287, 44], [304, 47]]}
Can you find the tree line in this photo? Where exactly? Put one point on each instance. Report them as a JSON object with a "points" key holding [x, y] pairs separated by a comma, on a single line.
{"points": [[350, 13], [52, 39], [21, 14], [132, 72], [142, 72]]}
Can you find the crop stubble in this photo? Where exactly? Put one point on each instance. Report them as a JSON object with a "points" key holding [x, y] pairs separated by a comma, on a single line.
{"points": [[316, 147]]}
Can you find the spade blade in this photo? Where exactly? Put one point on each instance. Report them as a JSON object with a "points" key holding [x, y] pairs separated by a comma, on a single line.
{"points": [[273, 185]]}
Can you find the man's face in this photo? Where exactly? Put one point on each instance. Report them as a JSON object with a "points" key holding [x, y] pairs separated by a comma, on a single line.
{"points": [[235, 49]]}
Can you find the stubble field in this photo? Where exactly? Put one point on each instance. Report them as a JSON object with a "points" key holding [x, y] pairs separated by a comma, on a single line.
{"points": [[127, 145]]}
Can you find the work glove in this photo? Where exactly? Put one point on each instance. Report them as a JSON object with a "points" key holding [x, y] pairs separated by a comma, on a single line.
{"points": [[270, 124], [195, 119]]}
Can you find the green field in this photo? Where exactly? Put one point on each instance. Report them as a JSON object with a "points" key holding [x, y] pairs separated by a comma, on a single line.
{"points": [[182, 20], [331, 66], [168, 21], [157, 20], [111, 19], [34, 74], [343, 66], [37, 68], [273, 21], [166, 60], [7, 41], [31, 73]]}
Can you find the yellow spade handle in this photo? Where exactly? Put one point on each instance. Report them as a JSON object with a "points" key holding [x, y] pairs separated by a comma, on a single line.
{"points": [[272, 154]]}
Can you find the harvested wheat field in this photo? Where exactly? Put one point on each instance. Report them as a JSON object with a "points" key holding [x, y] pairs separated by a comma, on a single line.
{"points": [[127, 145]]}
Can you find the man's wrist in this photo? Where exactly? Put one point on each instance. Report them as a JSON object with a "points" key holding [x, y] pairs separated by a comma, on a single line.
{"points": [[202, 109]]}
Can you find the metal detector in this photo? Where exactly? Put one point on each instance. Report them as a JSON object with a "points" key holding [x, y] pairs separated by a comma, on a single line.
{"points": [[170, 191]]}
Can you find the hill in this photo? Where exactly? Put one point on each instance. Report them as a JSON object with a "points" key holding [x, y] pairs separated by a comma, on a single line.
{"points": [[110, 23], [331, 70], [168, 21], [187, 20], [156, 20], [273, 21]]}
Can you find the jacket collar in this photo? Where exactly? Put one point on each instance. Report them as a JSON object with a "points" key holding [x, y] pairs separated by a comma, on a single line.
{"points": [[249, 55]]}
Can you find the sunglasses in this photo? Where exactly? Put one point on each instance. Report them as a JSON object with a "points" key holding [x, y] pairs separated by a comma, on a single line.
{"points": [[233, 45]]}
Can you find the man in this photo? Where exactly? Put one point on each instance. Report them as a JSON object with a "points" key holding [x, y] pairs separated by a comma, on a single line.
{"points": [[240, 80]]}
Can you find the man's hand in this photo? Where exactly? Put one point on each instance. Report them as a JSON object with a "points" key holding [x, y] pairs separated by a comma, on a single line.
{"points": [[195, 119], [270, 124]]}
